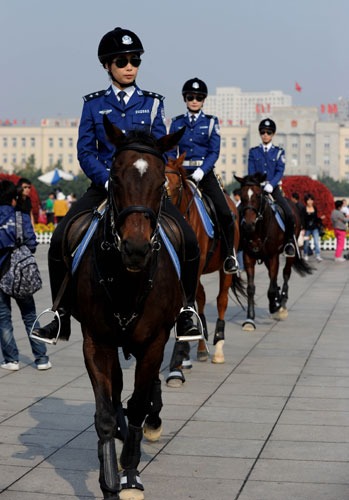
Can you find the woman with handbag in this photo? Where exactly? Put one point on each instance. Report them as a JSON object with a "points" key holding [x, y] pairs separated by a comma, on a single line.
{"points": [[311, 220], [8, 241]]}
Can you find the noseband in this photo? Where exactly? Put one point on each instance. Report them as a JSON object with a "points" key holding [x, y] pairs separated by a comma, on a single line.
{"points": [[118, 217], [258, 211]]}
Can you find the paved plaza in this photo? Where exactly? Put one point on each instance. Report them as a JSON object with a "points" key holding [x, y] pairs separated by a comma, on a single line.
{"points": [[272, 423]]}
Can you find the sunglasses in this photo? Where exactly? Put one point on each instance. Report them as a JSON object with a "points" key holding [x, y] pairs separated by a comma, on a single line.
{"points": [[192, 97], [269, 132], [122, 62]]}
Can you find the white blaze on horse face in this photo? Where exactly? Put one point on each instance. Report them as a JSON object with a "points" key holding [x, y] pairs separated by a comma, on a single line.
{"points": [[250, 193], [141, 165]]}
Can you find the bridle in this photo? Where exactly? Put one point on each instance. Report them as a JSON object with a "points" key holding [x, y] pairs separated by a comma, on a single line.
{"points": [[117, 217], [258, 211], [180, 194]]}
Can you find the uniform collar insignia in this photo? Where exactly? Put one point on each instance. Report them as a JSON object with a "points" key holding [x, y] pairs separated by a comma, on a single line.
{"points": [[107, 92], [105, 111]]}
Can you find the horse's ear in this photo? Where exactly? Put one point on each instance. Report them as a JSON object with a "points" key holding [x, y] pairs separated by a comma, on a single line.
{"points": [[113, 133], [181, 158], [239, 179], [168, 142]]}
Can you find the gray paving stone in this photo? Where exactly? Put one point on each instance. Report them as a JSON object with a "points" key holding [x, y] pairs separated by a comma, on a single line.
{"points": [[300, 450], [11, 473], [266, 490], [322, 433]]}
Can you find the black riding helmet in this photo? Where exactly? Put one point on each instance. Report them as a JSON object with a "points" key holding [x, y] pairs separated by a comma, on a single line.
{"points": [[194, 86], [118, 41], [267, 124]]}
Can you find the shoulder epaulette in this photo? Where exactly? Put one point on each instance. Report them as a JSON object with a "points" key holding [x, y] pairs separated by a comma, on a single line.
{"points": [[153, 94], [93, 95], [280, 148], [177, 117], [210, 116]]}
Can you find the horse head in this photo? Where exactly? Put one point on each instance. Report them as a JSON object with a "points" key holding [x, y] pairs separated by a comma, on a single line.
{"points": [[176, 179], [136, 189], [251, 200]]}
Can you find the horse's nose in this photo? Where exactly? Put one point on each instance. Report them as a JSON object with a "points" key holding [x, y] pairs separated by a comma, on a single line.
{"points": [[135, 254]]}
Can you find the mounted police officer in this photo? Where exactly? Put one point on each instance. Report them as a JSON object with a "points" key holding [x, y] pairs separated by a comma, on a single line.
{"points": [[269, 159], [128, 107], [201, 143]]}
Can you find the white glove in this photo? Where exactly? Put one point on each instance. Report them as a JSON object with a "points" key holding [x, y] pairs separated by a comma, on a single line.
{"points": [[268, 188], [198, 174], [106, 185]]}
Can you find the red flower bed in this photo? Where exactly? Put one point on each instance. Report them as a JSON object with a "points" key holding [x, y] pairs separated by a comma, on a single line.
{"points": [[302, 184], [33, 193]]}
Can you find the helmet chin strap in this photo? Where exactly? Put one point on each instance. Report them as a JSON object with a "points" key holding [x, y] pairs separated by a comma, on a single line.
{"points": [[122, 85]]}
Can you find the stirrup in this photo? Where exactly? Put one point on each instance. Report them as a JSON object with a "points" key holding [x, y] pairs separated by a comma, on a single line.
{"points": [[41, 339], [189, 338], [236, 264], [289, 244]]}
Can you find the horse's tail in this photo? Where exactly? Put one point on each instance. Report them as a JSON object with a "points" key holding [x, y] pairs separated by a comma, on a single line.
{"points": [[238, 288], [302, 267]]}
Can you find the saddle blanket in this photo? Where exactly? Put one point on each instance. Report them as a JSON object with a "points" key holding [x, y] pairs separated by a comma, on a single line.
{"points": [[205, 218], [80, 250], [277, 214]]}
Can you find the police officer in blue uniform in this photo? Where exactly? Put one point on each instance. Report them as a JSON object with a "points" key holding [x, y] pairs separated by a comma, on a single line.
{"points": [[269, 159], [128, 107], [201, 143]]}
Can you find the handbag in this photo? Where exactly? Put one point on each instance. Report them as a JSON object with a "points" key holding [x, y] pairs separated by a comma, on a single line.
{"points": [[22, 278]]}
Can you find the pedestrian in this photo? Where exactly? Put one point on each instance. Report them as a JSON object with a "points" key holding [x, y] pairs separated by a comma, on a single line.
{"points": [[8, 195], [49, 208], [60, 207], [201, 144], [24, 203], [311, 222], [339, 223], [270, 160], [129, 108]]}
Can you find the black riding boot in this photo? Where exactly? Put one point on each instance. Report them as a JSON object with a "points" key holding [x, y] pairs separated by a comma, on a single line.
{"points": [[57, 271], [230, 265], [189, 277], [289, 248]]}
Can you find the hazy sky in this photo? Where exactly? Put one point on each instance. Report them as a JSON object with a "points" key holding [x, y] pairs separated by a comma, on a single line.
{"points": [[48, 56]]}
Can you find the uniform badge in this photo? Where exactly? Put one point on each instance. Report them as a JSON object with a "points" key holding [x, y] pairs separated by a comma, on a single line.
{"points": [[283, 158], [216, 127], [126, 40], [267, 122], [105, 111], [196, 85], [107, 92]]}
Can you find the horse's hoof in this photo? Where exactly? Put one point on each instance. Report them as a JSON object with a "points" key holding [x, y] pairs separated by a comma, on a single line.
{"points": [[218, 359], [151, 434], [187, 366], [283, 312], [175, 379], [276, 315], [131, 494], [202, 355], [249, 325]]}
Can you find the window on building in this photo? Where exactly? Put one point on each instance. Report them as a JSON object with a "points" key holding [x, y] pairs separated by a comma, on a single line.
{"points": [[347, 159], [24, 142], [4, 142], [70, 158], [244, 142], [327, 142], [224, 175], [326, 159], [346, 176], [233, 159], [70, 142], [223, 159], [50, 160], [223, 143], [32, 142], [294, 145], [14, 159], [60, 158], [4, 159], [50, 142], [14, 142], [60, 142], [244, 159], [308, 159], [23, 159], [233, 142], [347, 143], [308, 145]]}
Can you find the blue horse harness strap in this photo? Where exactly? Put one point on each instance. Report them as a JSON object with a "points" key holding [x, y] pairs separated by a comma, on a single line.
{"points": [[206, 220], [80, 250]]}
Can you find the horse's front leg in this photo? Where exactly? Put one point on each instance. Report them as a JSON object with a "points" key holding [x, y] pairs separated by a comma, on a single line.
{"points": [[202, 352], [249, 265], [283, 312], [273, 290], [102, 365], [138, 407], [152, 428], [222, 304]]}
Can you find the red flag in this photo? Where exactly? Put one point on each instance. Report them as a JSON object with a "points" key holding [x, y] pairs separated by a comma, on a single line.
{"points": [[298, 87], [329, 109], [7, 122], [230, 122], [268, 108], [220, 122], [335, 109], [262, 106], [257, 108], [14, 122], [241, 123], [23, 122], [323, 108]]}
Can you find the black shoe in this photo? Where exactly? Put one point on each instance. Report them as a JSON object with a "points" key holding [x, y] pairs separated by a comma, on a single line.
{"points": [[289, 250], [186, 327], [50, 332], [230, 265]]}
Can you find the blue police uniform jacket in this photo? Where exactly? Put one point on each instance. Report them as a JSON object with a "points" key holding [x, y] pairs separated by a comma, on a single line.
{"points": [[8, 231], [271, 163], [201, 140], [144, 110]]}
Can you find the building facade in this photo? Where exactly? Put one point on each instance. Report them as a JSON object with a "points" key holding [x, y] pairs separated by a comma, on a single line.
{"points": [[237, 108]]}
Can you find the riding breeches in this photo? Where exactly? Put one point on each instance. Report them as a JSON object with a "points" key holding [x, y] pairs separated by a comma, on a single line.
{"points": [[210, 186], [289, 219]]}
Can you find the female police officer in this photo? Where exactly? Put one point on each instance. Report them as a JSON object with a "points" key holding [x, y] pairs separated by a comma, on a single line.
{"points": [[128, 107], [269, 159], [201, 143]]}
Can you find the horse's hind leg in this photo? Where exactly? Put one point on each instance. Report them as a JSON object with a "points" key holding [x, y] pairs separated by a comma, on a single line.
{"points": [[202, 353], [152, 428], [100, 363], [249, 264], [181, 352], [273, 290], [284, 292], [222, 304]]}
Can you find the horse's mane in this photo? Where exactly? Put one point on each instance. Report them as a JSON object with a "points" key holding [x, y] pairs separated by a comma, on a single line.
{"points": [[253, 180], [141, 136]]}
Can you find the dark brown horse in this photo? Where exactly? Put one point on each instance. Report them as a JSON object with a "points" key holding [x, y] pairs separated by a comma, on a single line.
{"points": [[262, 240], [212, 258], [128, 295]]}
